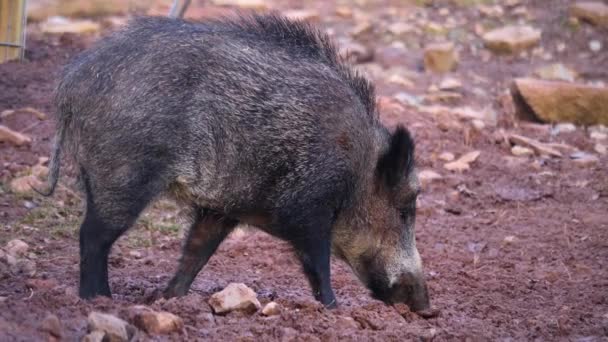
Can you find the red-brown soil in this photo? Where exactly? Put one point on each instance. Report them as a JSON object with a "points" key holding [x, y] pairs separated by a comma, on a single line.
{"points": [[514, 249]]}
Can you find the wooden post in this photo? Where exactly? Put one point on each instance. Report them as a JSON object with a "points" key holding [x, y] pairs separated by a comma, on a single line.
{"points": [[12, 29]]}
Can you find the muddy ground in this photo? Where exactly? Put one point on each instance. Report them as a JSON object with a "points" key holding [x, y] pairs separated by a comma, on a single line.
{"points": [[514, 248]]}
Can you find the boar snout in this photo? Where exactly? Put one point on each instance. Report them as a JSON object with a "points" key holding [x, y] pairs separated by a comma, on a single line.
{"points": [[411, 289]]}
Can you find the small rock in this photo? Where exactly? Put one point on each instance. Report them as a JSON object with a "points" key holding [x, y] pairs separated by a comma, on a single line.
{"points": [[584, 159], [554, 101], [40, 171], [450, 84], [428, 176], [51, 325], [115, 329], [401, 28], [236, 296], [15, 138], [251, 4], [491, 11], [595, 46], [563, 128], [136, 254], [95, 336], [23, 185], [594, 12], [271, 309], [361, 29], [600, 148], [463, 163], [556, 71], [509, 239], [440, 57], [402, 81], [521, 151], [344, 11], [596, 135], [511, 39], [156, 322], [478, 124], [447, 156], [38, 114], [345, 322], [356, 53], [62, 25], [41, 284], [540, 148], [23, 267], [17, 248], [302, 14]]}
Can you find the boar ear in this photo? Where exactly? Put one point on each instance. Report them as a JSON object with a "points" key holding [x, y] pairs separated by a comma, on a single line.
{"points": [[398, 160]]}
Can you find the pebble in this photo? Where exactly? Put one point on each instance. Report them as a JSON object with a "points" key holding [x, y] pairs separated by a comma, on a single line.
{"points": [[271, 309], [521, 151], [447, 156], [155, 322], [17, 248], [114, 328], [236, 296], [52, 325], [595, 46]]}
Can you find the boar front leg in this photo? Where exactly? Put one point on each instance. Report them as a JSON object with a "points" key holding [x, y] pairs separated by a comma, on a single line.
{"points": [[208, 230]]}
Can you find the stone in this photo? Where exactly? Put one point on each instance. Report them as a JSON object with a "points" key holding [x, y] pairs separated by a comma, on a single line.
{"points": [[428, 176], [114, 328], [595, 46], [463, 163], [600, 148], [553, 101], [40, 171], [38, 114], [361, 29], [236, 296], [51, 324], [271, 309], [250, 4], [60, 25], [491, 11], [511, 39], [95, 336], [440, 57], [556, 71], [447, 156], [356, 53], [564, 128], [594, 12], [156, 322], [450, 84], [23, 185], [17, 248], [302, 14], [596, 135], [402, 81], [400, 28], [521, 151], [39, 10], [540, 148], [15, 138], [584, 159], [22, 267]]}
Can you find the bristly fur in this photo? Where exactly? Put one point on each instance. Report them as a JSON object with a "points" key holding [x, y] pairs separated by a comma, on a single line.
{"points": [[398, 161], [316, 44]]}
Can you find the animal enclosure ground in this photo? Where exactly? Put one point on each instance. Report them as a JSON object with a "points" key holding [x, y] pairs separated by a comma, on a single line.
{"points": [[516, 247]]}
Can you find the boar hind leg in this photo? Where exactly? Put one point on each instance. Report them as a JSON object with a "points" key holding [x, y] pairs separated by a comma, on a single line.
{"points": [[206, 233], [110, 211]]}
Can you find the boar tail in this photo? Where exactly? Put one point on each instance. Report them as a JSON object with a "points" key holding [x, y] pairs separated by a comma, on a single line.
{"points": [[54, 163]]}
